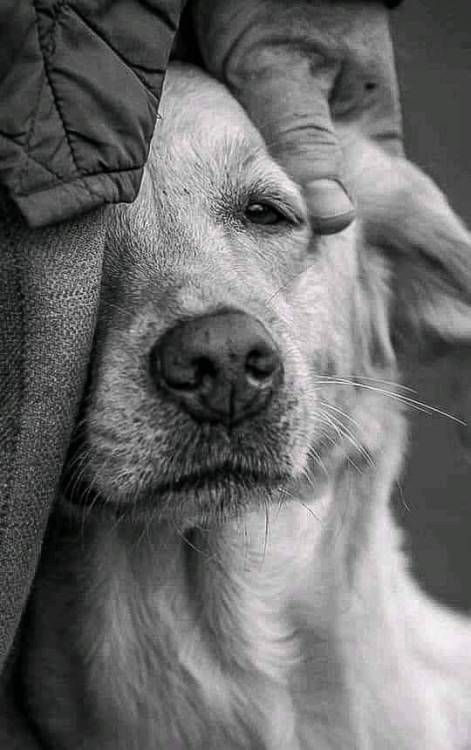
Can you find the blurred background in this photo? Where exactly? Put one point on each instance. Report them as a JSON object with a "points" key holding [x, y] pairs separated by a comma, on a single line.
{"points": [[433, 502]]}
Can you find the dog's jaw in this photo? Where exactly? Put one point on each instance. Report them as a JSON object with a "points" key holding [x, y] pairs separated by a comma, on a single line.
{"points": [[274, 630], [226, 663]]}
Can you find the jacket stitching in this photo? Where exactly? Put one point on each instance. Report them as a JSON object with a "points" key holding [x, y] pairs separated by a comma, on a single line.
{"points": [[55, 97], [105, 41], [58, 178], [26, 147], [27, 156], [49, 45], [35, 111], [80, 179]]}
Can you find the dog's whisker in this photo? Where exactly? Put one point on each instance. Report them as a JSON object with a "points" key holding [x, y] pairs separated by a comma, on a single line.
{"points": [[314, 454], [309, 510], [406, 400], [400, 491], [285, 286], [393, 383], [345, 431], [188, 543]]}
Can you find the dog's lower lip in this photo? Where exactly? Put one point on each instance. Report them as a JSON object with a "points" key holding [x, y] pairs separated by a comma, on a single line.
{"points": [[217, 480], [207, 480]]}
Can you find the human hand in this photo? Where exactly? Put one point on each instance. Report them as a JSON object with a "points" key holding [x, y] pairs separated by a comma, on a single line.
{"points": [[298, 67]]}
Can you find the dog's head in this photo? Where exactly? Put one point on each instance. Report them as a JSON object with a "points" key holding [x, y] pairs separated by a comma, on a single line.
{"points": [[235, 350]]}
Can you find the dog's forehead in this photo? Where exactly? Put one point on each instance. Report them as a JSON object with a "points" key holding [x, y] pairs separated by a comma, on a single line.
{"points": [[194, 107], [206, 152]]}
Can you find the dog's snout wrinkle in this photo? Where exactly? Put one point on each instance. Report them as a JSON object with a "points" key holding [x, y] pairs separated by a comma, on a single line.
{"points": [[222, 367]]}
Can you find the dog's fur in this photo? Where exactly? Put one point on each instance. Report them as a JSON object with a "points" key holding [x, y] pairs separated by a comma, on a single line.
{"points": [[204, 589]]}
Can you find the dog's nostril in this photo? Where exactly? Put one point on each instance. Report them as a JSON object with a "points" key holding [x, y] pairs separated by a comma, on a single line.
{"points": [[186, 375], [204, 372], [261, 365]]}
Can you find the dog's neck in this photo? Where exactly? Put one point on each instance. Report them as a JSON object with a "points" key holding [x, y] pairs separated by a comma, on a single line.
{"points": [[294, 622]]}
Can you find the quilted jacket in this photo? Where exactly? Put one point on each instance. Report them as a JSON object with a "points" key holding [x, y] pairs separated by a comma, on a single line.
{"points": [[78, 99]]}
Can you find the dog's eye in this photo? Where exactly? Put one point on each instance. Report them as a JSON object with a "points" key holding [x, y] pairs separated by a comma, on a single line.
{"points": [[266, 214]]}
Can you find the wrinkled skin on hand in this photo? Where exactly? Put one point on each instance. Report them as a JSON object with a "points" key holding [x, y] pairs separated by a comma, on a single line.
{"points": [[298, 67]]}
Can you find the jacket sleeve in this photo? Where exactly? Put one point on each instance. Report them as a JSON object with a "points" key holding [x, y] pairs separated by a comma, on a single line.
{"points": [[80, 83]]}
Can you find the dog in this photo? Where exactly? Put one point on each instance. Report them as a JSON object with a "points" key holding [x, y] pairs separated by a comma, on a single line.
{"points": [[222, 568]]}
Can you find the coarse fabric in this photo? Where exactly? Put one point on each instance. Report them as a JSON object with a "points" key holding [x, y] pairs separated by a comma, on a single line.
{"points": [[49, 291]]}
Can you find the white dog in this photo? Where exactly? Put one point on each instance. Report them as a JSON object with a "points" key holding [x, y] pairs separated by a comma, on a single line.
{"points": [[223, 570]]}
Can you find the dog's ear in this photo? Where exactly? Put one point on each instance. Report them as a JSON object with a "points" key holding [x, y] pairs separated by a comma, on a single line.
{"points": [[406, 216]]}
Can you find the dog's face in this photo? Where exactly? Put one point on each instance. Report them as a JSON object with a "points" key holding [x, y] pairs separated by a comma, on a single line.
{"points": [[229, 336]]}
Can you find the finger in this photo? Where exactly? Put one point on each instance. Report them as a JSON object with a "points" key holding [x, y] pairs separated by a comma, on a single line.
{"points": [[330, 206], [288, 101]]}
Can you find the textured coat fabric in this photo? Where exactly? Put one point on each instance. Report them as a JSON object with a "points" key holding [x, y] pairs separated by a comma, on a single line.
{"points": [[49, 286], [79, 88], [49, 289]]}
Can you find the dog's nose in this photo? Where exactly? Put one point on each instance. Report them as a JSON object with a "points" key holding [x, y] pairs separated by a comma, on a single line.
{"points": [[221, 368]]}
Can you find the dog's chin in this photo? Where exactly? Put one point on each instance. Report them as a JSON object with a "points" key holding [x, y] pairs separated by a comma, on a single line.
{"points": [[195, 500]]}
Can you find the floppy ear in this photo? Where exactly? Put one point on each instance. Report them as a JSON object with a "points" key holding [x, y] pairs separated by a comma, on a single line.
{"points": [[406, 216]]}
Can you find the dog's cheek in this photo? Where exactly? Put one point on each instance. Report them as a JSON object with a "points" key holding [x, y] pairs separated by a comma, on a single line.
{"points": [[322, 304], [122, 432], [298, 399], [314, 324]]}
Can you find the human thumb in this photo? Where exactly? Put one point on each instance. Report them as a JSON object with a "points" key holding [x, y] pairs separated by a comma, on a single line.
{"points": [[288, 102], [285, 89]]}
